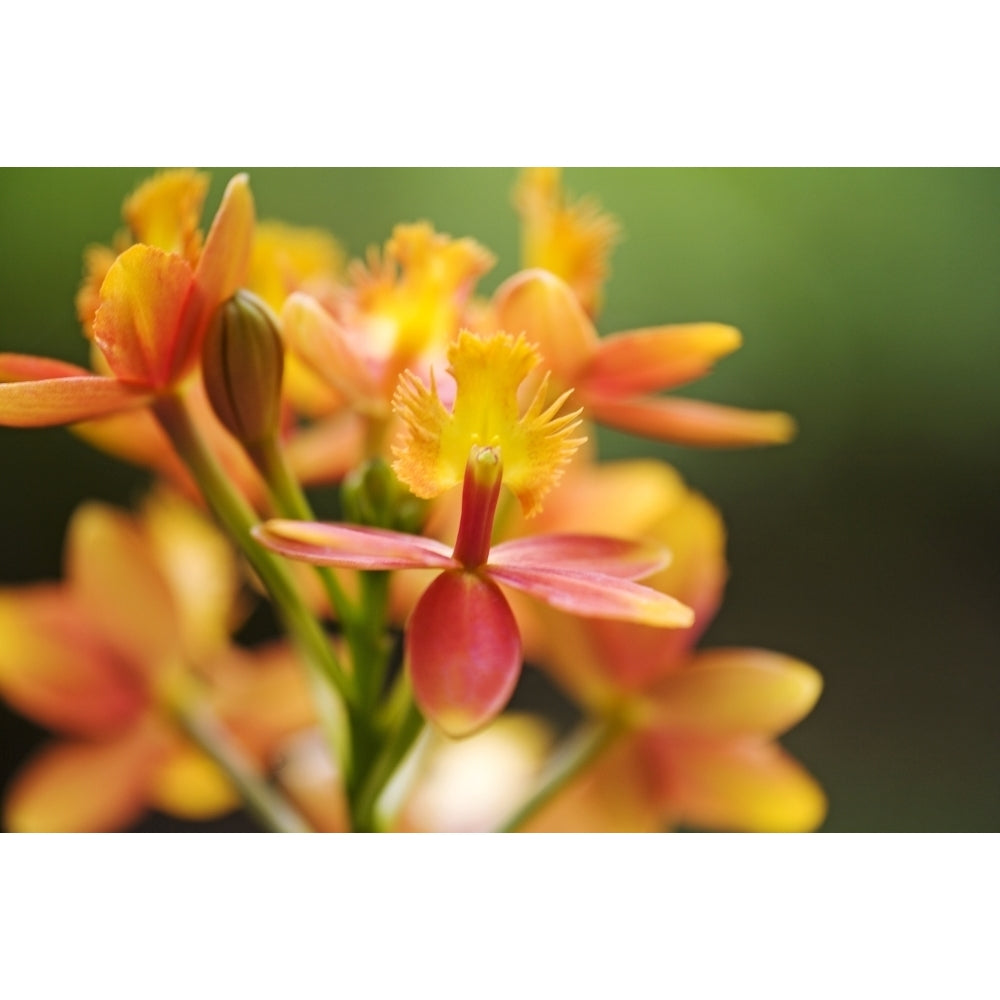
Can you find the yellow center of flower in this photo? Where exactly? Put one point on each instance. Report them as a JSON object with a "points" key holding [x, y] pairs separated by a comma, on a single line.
{"points": [[436, 446]]}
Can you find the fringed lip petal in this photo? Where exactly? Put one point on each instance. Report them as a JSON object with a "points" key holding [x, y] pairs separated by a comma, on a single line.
{"points": [[65, 399], [618, 557], [736, 692], [691, 421], [654, 358], [595, 595], [352, 547], [463, 651]]}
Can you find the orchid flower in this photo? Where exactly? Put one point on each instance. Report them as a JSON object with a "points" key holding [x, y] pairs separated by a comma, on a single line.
{"points": [[107, 658], [154, 306], [613, 376], [463, 648], [699, 726]]}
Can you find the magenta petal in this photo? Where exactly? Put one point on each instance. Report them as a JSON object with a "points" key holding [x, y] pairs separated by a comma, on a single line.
{"points": [[620, 557], [352, 547], [596, 595], [463, 652]]}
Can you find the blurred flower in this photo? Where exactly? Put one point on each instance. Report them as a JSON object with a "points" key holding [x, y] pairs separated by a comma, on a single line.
{"points": [[139, 627], [463, 648], [699, 726], [570, 240], [614, 375]]}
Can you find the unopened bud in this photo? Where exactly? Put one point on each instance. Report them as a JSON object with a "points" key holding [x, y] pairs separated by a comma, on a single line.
{"points": [[372, 495], [242, 363]]}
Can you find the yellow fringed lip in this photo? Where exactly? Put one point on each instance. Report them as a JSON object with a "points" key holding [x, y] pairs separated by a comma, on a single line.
{"points": [[434, 447]]}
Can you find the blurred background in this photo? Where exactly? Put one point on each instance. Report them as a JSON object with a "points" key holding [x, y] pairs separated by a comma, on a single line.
{"points": [[869, 301]]}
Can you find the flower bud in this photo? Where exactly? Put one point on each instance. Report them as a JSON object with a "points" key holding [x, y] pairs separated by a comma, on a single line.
{"points": [[242, 363], [372, 496]]}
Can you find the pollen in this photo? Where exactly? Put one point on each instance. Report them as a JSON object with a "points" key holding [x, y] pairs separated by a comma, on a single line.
{"points": [[435, 445]]}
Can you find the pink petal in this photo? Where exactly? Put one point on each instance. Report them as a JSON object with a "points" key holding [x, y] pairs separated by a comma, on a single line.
{"points": [[618, 557], [55, 401], [596, 595], [463, 652], [690, 421], [352, 547]]}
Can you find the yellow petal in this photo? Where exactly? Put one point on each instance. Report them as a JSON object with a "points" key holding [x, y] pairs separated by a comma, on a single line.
{"points": [[112, 571], [572, 240], [165, 211], [190, 785], [736, 691], [741, 785], [287, 258], [434, 448]]}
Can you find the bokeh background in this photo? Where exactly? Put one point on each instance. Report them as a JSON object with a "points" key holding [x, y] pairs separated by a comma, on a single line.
{"points": [[869, 301]]}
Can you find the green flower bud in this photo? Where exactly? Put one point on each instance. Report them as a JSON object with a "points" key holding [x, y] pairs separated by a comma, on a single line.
{"points": [[243, 360], [371, 495]]}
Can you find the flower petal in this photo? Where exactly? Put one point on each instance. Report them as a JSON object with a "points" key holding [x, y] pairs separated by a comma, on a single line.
{"points": [[690, 421], [138, 325], [620, 557], [58, 401], [113, 572], [595, 595], [544, 308], [189, 784], [223, 265], [83, 787], [740, 785], [323, 344], [463, 652], [656, 358], [352, 547], [736, 691], [57, 669]]}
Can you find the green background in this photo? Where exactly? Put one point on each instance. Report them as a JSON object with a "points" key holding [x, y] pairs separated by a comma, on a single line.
{"points": [[870, 306]]}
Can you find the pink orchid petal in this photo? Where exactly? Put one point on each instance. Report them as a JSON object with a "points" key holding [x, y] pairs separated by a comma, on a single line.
{"points": [[619, 557], [657, 358], [51, 402], [596, 595], [352, 547], [463, 652], [690, 421]]}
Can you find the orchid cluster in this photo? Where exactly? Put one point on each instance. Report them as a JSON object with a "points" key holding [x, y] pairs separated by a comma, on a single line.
{"points": [[477, 530]]}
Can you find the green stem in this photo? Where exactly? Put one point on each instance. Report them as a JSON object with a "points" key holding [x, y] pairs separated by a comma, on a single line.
{"points": [[393, 753], [291, 502], [270, 807], [239, 518], [580, 750]]}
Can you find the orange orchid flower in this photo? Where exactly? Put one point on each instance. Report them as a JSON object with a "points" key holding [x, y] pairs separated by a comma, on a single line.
{"points": [[614, 376], [154, 306], [142, 620], [463, 648]]}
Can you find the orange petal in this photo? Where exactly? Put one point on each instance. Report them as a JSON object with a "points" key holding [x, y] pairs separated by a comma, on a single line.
{"points": [[320, 341], [111, 568], [656, 358], [138, 325], [463, 652], [83, 787], [736, 691], [327, 450], [55, 668], [544, 308], [735, 785], [223, 265], [690, 421], [164, 211], [56, 401]]}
